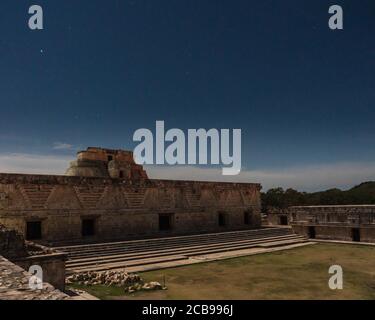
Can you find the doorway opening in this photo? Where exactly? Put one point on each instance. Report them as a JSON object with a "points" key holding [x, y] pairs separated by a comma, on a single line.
{"points": [[247, 217], [283, 220], [88, 227], [356, 235], [165, 222], [34, 230], [312, 233], [222, 220]]}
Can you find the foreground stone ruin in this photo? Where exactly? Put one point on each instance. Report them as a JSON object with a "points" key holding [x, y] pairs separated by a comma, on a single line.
{"points": [[14, 285], [16, 256], [26, 254]]}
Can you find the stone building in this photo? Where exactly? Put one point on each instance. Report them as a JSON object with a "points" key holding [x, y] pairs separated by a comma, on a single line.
{"points": [[106, 163], [106, 196], [277, 217], [346, 223]]}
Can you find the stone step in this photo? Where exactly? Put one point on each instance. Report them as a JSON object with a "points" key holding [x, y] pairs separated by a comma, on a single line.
{"points": [[136, 251], [119, 265], [109, 251], [171, 244], [184, 250], [158, 241], [145, 261]]}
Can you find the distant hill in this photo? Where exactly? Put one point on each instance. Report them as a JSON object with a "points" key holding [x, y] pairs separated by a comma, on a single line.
{"points": [[278, 198]]}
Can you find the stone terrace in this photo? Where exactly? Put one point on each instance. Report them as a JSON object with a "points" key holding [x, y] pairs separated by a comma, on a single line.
{"points": [[14, 285]]}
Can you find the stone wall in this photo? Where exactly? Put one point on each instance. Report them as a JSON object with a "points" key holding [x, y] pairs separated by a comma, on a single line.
{"points": [[14, 285], [120, 209], [26, 254], [52, 264], [346, 223], [355, 214], [12, 244], [277, 219], [341, 233]]}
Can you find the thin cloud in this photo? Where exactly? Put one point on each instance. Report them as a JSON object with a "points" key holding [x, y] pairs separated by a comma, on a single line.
{"points": [[33, 164], [62, 146], [302, 178]]}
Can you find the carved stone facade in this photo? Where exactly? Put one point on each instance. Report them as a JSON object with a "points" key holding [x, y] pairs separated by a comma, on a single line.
{"points": [[63, 209], [346, 223]]}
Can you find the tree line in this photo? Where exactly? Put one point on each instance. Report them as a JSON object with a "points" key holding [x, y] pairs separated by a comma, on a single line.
{"points": [[278, 198]]}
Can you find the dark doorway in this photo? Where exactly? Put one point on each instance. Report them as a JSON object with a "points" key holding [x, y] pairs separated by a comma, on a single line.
{"points": [[110, 158], [356, 235], [222, 221], [165, 222], [88, 227], [34, 230], [121, 174], [283, 220], [312, 233], [247, 217]]}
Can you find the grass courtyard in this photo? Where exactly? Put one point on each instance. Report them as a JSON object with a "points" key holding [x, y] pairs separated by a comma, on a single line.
{"points": [[300, 273]]}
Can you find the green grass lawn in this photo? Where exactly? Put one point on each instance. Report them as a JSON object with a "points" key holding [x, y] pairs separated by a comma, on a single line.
{"points": [[301, 273]]}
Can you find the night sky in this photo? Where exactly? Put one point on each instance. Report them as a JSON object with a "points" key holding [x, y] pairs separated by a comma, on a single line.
{"points": [[303, 95]]}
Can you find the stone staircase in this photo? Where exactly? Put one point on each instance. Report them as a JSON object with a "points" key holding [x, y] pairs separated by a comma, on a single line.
{"points": [[115, 255]]}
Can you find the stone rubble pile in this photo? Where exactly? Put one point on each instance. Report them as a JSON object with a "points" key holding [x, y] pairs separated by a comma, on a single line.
{"points": [[130, 282]]}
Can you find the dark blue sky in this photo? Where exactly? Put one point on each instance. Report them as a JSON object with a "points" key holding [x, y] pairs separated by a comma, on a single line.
{"points": [[301, 93]]}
